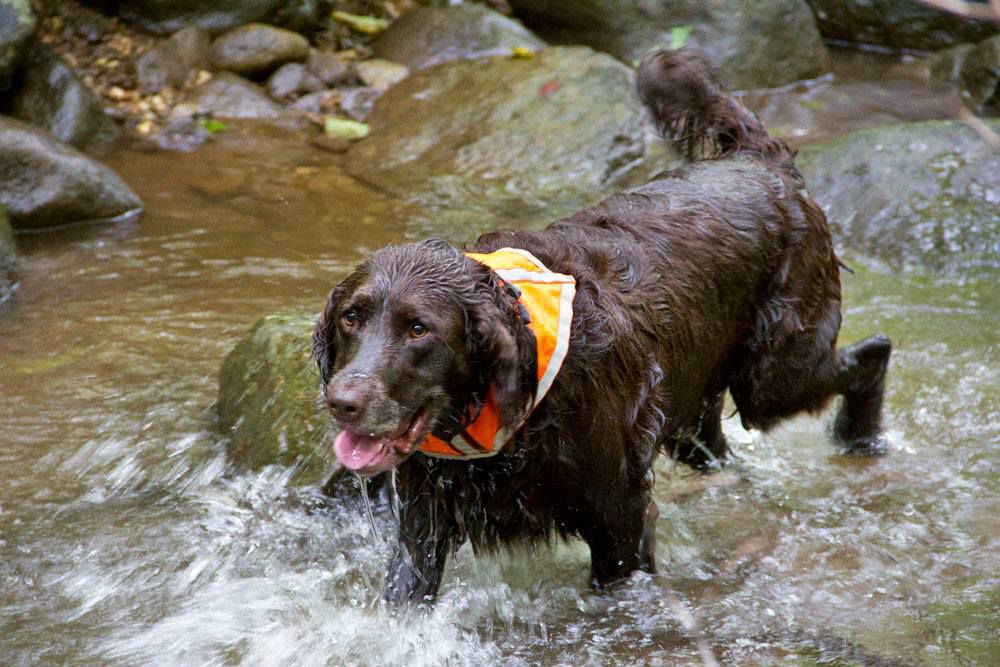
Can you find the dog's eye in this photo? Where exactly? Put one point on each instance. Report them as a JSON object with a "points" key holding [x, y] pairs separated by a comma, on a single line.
{"points": [[350, 317], [418, 330]]}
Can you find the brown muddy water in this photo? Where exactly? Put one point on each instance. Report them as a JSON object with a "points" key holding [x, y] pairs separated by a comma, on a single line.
{"points": [[126, 536]]}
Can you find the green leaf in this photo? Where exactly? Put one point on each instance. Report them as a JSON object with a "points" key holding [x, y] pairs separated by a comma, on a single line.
{"points": [[345, 129], [679, 36], [369, 25], [212, 125]]}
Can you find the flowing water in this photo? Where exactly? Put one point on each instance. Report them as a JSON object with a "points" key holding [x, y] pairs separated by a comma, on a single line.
{"points": [[127, 537]]}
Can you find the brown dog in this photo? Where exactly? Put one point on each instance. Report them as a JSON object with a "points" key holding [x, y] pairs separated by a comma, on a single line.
{"points": [[718, 275]]}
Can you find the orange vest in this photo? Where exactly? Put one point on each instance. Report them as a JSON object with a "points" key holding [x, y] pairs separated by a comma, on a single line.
{"points": [[548, 298]]}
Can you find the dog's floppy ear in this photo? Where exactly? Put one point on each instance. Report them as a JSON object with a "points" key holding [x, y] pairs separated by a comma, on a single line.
{"points": [[325, 334], [501, 346]]}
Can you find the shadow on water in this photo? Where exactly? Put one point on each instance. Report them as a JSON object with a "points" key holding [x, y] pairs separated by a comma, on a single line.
{"points": [[126, 536]]}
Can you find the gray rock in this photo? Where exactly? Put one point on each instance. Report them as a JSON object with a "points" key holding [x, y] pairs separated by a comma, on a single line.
{"points": [[257, 49], [380, 74], [8, 258], [916, 194], [52, 97], [169, 63], [477, 144], [756, 44], [269, 398], [17, 25], [226, 95], [899, 25], [358, 102], [163, 17], [44, 183], [318, 102], [330, 68], [291, 80], [428, 36], [980, 77]]}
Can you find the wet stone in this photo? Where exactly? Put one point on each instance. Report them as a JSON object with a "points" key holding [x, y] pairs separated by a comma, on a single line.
{"points": [[163, 17], [980, 77], [428, 36], [170, 62], [51, 96], [912, 195], [269, 398], [257, 49], [762, 44], [227, 95], [44, 183], [330, 68], [319, 102], [480, 142], [17, 25], [358, 102], [8, 258], [380, 74], [899, 25], [292, 80]]}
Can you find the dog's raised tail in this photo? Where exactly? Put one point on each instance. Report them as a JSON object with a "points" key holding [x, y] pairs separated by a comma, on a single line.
{"points": [[695, 114]]}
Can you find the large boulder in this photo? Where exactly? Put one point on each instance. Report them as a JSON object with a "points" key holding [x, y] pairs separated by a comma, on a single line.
{"points": [[51, 96], [8, 258], [257, 49], [44, 183], [503, 142], [916, 194], [163, 17], [17, 25], [429, 36], [898, 25], [269, 398], [756, 44]]}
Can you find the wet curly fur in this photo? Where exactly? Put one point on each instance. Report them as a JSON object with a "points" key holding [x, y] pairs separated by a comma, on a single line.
{"points": [[718, 275]]}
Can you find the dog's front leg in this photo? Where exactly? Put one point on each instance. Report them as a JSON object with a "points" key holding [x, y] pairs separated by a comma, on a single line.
{"points": [[418, 564]]}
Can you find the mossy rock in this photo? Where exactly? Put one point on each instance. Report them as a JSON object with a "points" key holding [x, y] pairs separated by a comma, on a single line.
{"points": [[504, 142], [913, 195], [269, 398]]}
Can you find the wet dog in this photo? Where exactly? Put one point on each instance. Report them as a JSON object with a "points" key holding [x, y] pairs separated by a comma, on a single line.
{"points": [[522, 387]]}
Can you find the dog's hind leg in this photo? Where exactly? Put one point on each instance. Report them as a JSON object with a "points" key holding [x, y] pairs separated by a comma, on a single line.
{"points": [[621, 534], [803, 376], [709, 448]]}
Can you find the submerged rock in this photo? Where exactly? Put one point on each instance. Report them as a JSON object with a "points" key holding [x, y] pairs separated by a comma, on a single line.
{"points": [[51, 96], [8, 258], [756, 44], [17, 25], [916, 194], [257, 49], [44, 183], [898, 25], [429, 36], [269, 398], [506, 141]]}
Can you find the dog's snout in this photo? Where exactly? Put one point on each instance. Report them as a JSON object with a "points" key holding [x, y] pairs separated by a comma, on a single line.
{"points": [[347, 403]]}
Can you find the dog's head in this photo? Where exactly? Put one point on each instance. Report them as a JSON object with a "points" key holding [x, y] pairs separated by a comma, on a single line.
{"points": [[408, 341]]}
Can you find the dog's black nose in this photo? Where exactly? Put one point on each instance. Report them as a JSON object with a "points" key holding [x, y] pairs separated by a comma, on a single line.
{"points": [[347, 404]]}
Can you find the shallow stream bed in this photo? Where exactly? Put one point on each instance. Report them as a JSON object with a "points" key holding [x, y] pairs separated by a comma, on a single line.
{"points": [[126, 536]]}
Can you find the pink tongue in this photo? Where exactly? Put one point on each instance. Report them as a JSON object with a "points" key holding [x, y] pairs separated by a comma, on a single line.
{"points": [[357, 451]]}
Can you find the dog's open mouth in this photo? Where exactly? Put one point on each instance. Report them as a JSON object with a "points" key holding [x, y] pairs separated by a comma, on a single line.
{"points": [[369, 454]]}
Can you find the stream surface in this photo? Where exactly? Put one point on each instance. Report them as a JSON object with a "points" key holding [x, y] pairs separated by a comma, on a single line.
{"points": [[127, 537]]}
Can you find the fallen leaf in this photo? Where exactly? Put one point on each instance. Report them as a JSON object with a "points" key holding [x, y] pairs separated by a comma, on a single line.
{"points": [[345, 129], [679, 36], [369, 25], [521, 53], [212, 125]]}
